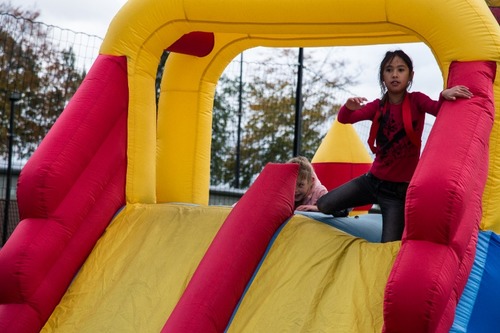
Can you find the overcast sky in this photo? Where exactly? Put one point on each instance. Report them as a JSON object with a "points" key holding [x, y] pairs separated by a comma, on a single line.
{"points": [[94, 17]]}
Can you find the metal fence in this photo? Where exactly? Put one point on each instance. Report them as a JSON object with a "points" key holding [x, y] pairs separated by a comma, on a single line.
{"points": [[23, 45]]}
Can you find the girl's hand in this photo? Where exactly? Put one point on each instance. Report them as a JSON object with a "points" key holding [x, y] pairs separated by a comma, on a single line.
{"points": [[308, 208], [455, 92], [355, 103]]}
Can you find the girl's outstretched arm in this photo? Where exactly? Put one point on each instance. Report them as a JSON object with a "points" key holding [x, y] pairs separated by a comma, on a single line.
{"points": [[355, 103]]}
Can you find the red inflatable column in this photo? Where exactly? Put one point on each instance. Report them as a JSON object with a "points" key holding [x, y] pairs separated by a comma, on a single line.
{"points": [[443, 210], [220, 280]]}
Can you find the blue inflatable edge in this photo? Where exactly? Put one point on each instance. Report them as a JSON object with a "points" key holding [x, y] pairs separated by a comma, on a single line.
{"points": [[367, 226], [467, 301]]}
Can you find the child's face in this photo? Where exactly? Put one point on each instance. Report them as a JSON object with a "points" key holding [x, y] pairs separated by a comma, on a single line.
{"points": [[397, 76], [302, 189]]}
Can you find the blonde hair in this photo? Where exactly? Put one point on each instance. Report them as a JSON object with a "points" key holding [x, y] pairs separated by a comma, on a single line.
{"points": [[306, 171]]}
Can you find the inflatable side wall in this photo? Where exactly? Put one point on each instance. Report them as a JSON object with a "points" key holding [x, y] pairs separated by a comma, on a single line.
{"points": [[67, 194]]}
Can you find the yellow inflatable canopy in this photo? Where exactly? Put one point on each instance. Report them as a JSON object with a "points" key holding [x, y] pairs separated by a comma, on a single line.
{"points": [[169, 156]]}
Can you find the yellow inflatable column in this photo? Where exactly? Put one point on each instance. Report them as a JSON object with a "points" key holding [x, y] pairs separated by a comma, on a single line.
{"points": [[184, 131]]}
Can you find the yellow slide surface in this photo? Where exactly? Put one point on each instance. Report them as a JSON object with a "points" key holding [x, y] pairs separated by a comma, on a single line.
{"points": [[138, 270], [317, 279], [313, 275]]}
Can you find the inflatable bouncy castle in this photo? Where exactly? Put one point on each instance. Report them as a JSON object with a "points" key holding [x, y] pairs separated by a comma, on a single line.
{"points": [[117, 235]]}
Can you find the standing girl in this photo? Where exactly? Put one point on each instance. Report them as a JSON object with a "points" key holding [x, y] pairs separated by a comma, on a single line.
{"points": [[395, 137]]}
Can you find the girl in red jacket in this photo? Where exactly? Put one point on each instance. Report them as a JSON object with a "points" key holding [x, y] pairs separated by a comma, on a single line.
{"points": [[395, 137]]}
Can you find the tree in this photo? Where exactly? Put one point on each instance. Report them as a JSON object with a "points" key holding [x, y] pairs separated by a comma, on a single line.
{"points": [[32, 65], [269, 116], [224, 130]]}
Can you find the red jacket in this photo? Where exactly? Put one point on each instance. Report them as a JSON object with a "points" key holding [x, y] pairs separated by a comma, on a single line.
{"points": [[396, 156]]}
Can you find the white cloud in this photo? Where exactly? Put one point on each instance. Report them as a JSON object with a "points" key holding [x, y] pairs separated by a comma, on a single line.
{"points": [[90, 16]]}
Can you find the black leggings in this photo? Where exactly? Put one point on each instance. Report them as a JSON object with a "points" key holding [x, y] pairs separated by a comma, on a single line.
{"points": [[368, 189]]}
